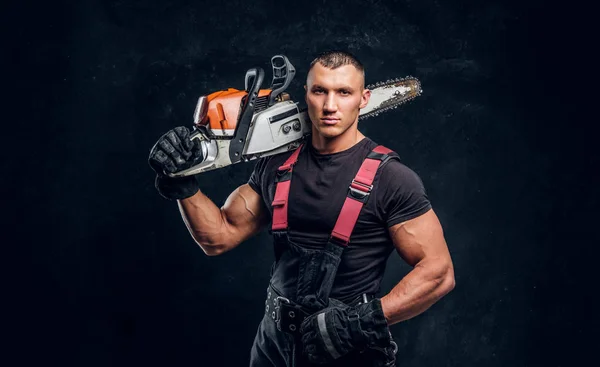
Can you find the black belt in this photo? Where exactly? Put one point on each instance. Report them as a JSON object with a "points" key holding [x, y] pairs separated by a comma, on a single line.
{"points": [[288, 316]]}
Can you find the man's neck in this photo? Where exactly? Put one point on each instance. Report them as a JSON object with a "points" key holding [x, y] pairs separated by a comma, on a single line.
{"points": [[338, 144]]}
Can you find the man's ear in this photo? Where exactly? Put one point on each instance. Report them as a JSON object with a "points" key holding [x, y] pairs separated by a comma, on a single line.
{"points": [[366, 95]]}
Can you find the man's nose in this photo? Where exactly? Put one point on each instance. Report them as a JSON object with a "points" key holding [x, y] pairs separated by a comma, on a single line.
{"points": [[330, 103]]}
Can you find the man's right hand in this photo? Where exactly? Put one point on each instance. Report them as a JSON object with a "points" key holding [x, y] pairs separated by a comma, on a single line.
{"points": [[174, 152]]}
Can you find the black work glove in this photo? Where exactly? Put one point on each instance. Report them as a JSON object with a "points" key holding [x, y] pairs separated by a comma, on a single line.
{"points": [[174, 152], [339, 329]]}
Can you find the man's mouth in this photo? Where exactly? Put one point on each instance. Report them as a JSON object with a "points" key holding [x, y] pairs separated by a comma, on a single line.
{"points": [[330, 121]]}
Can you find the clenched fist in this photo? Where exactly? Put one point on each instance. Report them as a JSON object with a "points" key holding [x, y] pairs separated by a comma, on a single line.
{"points": [[174, 152]]}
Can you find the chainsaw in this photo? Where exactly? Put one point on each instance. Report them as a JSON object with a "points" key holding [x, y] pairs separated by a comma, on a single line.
{"points": [[235, 126]]}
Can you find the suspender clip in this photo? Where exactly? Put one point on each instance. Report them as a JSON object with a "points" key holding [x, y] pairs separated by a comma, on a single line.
{"points": [[360, 191]]}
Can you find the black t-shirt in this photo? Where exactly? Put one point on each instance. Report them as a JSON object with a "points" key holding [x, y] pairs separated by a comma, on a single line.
{"points": [[318, 189]]}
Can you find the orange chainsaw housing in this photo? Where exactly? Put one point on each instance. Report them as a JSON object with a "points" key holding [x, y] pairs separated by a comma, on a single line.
{"points": [[224, 109]]}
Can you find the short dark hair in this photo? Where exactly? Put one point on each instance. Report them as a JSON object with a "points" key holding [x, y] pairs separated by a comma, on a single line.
{"points": [[335, 59]]}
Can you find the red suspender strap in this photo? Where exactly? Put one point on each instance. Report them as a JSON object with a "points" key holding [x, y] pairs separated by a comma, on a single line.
{"points": [[358, 193], [282, 191]]}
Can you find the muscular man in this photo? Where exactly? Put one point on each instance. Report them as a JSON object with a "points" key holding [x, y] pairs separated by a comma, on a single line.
{"points": [[332, 232]]}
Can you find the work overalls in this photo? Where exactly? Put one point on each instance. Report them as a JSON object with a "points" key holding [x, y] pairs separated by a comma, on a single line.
{"points": [[277, 341]]}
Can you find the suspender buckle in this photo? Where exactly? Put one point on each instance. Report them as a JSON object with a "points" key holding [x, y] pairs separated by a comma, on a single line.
{"points": [[360, 191], [279, 300], [337, 239], [283, 175]]}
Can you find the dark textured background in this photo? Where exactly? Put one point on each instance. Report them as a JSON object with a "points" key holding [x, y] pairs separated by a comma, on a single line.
{"points": [[112, 277]]}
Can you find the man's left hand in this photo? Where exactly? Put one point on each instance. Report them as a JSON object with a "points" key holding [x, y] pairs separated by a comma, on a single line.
{"points": [[339, 329]]}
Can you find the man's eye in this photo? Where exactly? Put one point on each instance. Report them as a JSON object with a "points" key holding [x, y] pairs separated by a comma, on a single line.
{"points": [[318, 91], [345, 92]]}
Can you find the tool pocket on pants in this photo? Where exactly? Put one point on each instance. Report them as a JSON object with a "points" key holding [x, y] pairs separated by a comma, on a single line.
{"points": [[316, 274]]}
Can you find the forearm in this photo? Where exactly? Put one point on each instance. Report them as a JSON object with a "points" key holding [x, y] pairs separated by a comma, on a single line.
{"points": [[205, 222], [418, 290]]}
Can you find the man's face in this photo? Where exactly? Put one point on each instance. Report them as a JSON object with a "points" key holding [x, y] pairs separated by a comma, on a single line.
{"points": [[334, 98]]}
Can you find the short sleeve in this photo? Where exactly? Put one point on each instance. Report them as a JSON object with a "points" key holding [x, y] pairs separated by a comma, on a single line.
{"points": [[403, 194], [256, 178]]}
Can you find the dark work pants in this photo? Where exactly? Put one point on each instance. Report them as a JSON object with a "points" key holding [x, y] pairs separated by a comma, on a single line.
{"points": [[272, 347], [315, 277]]}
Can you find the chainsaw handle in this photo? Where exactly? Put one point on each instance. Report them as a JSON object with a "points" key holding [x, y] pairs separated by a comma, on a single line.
{"points": [[258, 75], [283, 74], [236, 146]]}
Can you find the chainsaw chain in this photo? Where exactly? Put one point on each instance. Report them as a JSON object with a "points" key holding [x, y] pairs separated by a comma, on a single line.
{"points": [[393, 103]]}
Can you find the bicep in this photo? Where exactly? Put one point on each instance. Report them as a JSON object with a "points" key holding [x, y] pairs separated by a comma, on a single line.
{"points": [[420, 238], [244, 213]]}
